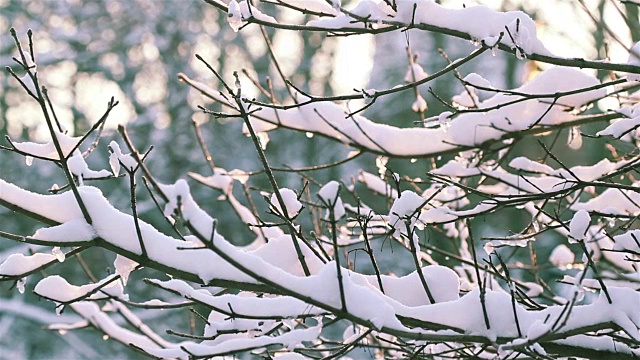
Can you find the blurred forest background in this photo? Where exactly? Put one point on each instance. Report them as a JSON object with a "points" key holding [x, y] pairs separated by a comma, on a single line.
{"points": [[88, 51]]}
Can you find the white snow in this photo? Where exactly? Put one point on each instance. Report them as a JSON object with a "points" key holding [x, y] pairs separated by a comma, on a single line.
{"points": [[590, 173], [280, 252], [524, 163], [79, 167], [76, 230], [634, 59], [48, 150], [117, 158], [437, 215], [579, 225], [239, 12], [56, 288], [291, 203], [219, 180], [466, 313], [18, 264], [612, 201], [415, 73], [454, 168], [160, 248], [561, 256], [628, 241], [375, 183], [533, 289], [329, 197], [282, 306], [443, 282], [223, 181], [406, 207], [620, 128], [477, 80], [600, 343], [60, 256], [574, 139], [124, 266], [420, 105], [234, 16], [466, 99], [538, 329], [452, 196]]}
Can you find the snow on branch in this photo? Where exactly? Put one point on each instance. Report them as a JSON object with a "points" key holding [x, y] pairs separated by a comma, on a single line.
{"points": [[465, 131]]}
